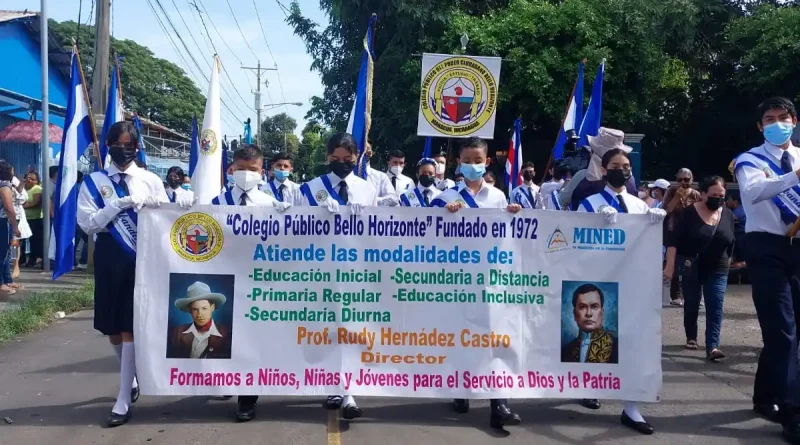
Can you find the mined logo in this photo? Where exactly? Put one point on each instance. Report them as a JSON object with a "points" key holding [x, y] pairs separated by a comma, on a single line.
{"points": [[592, 238], [208, 143], [557, 241], [459, 96], [106, 191], [196, 237]]}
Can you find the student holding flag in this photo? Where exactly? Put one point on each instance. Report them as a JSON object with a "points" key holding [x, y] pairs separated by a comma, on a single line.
{"points": [[474, 193], [281, 187], [425, 192]]}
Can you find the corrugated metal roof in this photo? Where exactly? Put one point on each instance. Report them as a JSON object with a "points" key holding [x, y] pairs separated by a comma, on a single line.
{"points": [[13, 15]]}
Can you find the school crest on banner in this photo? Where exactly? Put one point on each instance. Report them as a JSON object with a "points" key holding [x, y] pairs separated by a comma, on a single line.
{"points": [[458, 96]]}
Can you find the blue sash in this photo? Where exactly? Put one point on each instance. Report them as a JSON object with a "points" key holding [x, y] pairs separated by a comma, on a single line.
{"points": [[327, 183], [468, 198], [123, 227], [788, 201], [318, 190], [275, 192], [419, 201], [612, 201], [228, 199], [554, 198], [526, 193]]}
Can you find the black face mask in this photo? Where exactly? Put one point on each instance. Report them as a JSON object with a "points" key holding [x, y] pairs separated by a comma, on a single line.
{"points": [[713, 203], [618, 177], [341, 168], [527, 176], [426, 180], [121, 155], [174, 183]]}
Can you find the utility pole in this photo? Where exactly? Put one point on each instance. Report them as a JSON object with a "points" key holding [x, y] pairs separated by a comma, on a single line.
{"points": [[102, 50], [257, 93], [45, 141]]}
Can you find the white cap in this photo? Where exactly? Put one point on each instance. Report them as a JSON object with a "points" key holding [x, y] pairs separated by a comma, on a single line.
{"points": [[659, 184]]}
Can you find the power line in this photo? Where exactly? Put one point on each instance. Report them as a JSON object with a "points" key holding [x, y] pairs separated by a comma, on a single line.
{"points": [[263, 33], [240, 29]]}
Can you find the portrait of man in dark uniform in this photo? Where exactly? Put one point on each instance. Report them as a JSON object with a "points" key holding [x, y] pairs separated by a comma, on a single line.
{"points": [[203, 338], [594, 344]]}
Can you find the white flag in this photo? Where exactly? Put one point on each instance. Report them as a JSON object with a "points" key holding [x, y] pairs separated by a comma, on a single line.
{"points": [[207, 179]]}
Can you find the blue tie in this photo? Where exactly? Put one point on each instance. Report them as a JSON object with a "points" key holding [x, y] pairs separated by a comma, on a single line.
{"points": [[786, 162]]}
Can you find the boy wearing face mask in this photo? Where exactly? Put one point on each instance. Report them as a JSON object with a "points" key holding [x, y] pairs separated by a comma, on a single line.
{"points": [[475, 193], [425, 192], [612, 200], [280, 186], [400, 182], [442, 183], [340, 187], [525, 194]]}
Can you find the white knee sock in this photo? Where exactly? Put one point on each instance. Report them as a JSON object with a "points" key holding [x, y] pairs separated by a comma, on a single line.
{"points": [[118, 351], [126, 373], [348, 400], [633, 412]]}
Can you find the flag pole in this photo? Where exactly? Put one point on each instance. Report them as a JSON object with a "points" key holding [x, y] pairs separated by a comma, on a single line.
{"points": [[550, 160], [45, 141]]}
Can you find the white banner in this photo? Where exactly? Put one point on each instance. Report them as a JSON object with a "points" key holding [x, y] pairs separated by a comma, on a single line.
{"points": [[458, 96], [398, 302]]}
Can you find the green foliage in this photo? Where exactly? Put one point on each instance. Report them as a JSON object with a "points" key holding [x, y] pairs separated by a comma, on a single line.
{"points": [[277, 135], [312, 152], [155, 88], [39, 310]]}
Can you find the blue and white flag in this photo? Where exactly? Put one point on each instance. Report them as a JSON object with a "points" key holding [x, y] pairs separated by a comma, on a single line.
{"points": [[141, 155], [78, 135], [591, 122], [426, 153], [114, 114], [572, 117], [194, 148], [361, 115]]}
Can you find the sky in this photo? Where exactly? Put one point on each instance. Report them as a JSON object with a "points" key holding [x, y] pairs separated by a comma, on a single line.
{"points": [[293, 82]]}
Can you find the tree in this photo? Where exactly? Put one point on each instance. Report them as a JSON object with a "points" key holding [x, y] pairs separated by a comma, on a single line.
{"points": [[277, 135], [155, 88], [312, 153]]}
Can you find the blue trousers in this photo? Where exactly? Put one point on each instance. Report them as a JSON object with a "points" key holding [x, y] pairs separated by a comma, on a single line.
{"points": [[775, 274], [712, 289]]}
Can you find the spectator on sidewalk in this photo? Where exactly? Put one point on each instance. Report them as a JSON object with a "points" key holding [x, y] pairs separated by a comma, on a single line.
{"points": [[658, 190], [645, 195], [699, 249], [33, 214], [734, 203], [8, 227], [676, 199]]}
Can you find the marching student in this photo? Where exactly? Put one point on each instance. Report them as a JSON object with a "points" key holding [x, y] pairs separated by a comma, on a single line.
{"points": [[340, 187], [176, 183], [425, 192], [387, 196], [400, 182], [108, 203], [612, 200], [526, 194], [475, 193], [442, 183], [281, 187], [549, 191]]}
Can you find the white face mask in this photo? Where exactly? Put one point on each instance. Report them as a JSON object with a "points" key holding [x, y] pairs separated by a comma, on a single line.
{"points": [[396, 170], [642, 195], [246, 180], [440, 168]]}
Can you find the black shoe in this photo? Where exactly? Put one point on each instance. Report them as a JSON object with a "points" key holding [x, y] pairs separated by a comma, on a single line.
{"points": [[461, 406], [246, 412], [590, 403], [351, 412], [791, 432], [333, 402], [769, 411], [640, 427], [134, 394], [115, 420], [503, 416]]}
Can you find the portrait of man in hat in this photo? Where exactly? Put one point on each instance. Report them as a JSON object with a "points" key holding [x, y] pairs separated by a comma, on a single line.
{"points": [[205, 337], [586, 307]]}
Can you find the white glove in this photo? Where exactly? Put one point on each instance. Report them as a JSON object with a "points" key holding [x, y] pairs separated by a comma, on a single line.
{"points": [[152, 201], [125, 203], [186, 200], [332, 205], [609, 213], [390, 200], [284, 206], [656, 215], [356, 208]]}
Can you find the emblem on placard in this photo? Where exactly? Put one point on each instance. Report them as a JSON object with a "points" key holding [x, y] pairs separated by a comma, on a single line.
{"points": [[196, 237], [208, 142], [106, 191], [557, 241], [321, 195]]}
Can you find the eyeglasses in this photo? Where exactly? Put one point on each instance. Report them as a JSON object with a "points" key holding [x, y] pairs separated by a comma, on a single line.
{"points": [[684, 180]]}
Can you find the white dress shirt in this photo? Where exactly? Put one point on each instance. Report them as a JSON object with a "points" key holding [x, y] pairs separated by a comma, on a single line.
{"points": [[403, 182], [387, 197], [532, 191], [757, 190], [178, 192], [545, 199], [432, 191], [444, 184], [255, 197], [488, 197], [359, 191], [290, 193], [140, 183], [635, 205], [200, 340]]}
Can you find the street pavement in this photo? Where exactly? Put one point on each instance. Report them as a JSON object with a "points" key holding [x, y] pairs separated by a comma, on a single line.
{"points": [[57, 387]]}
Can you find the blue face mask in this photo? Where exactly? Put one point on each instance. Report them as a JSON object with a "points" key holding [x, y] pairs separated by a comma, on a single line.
{"points": [[229, 178], [281, 175], [473, 172], [186, 186], [778, 133]]}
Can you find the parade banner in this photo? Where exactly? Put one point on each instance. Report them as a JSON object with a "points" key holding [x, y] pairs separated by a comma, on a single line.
{"points": [[400, 302], [458, 96]]}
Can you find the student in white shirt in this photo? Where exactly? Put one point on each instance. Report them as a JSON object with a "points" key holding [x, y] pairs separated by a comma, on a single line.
{"points": [[387, 196], [442, 183], [400, 182], [615, 199], [549, 191], [527, 193], [474, 193], [281, 187], [176, 183], [425, 192]]}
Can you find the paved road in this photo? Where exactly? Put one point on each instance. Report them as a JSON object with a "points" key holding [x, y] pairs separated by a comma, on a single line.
{"points": [[58, 385]]}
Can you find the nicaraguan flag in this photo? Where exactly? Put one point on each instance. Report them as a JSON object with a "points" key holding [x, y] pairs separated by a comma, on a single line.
{"points": [[206, 180], [78, 135], [591, 122], [194, 148], [572, 117], [114, 114], [361, 115], [140, 154], [514, 159]]}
